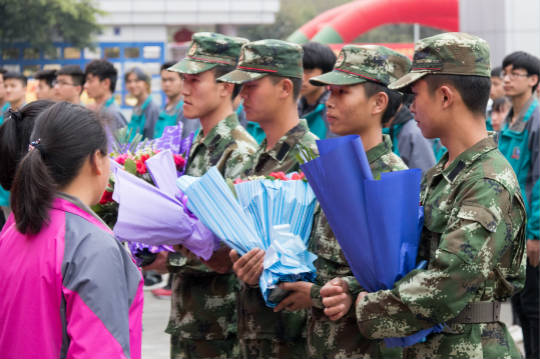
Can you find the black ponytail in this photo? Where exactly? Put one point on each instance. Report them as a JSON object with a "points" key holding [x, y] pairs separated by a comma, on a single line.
{"points": [[64, 136], [15, 137]]}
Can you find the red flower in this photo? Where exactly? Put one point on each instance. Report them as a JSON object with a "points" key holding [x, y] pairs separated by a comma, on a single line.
{"points": [[279, 176], [121, 159], [106, 197], [239, 180], [141, 167], [298, 176], [179, 161], [144, 157]]}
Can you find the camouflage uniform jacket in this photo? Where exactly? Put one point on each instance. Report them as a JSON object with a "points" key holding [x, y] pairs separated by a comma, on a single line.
{"points": [[282, 157], [255, 319], [341, 339], [473, 240], [203, 301]]}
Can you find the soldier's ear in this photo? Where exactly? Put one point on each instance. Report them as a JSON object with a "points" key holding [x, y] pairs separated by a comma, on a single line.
{"points": [[227, 89], [380, 102], [447, 95], [286, 88]]}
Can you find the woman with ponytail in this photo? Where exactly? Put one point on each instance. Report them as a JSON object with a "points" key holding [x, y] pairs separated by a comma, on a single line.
{"points": [[14, 140], [69, 289]]}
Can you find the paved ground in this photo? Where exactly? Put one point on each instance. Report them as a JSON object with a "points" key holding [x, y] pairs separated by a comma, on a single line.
{"points": [[156, 314]]}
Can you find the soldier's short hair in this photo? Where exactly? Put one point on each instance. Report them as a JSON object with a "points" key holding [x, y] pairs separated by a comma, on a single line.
{"points": [[474, 90]]}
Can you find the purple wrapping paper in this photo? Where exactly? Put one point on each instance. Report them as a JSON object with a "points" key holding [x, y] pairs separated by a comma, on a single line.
{"points": [[148, 215]]}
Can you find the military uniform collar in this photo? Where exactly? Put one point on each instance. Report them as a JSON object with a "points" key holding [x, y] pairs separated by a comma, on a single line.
{"points": [[465, 159], [287, 142], [380, 150], [222, 128]]}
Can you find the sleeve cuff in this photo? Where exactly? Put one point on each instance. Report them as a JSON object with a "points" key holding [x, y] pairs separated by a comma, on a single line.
{"points": [[315, 294]]}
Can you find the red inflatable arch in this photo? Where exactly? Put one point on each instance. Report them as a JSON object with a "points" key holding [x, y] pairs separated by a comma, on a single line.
{"points": [[346, 22]]}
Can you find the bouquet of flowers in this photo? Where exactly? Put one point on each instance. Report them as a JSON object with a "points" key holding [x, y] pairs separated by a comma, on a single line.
{"points": [[273, 213], [131, 156]]}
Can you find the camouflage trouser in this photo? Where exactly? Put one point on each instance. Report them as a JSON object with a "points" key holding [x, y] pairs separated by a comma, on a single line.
{"points": [[199, 349], [272, 349]]}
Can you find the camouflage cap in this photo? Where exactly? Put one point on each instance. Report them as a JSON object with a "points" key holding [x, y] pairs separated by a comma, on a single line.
{"points": [[267, 57], [453, 53], [360, 63], [208, 50]]}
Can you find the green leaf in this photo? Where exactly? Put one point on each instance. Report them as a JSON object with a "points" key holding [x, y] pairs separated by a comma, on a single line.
{"points": [[130, 166]]}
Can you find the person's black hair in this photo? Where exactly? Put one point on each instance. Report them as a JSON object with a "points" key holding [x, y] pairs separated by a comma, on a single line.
{"points": [[394, 98], [16, 75], [46, 75], [2, 71], [166, 65], [64, 136], [15, 137], [77, 76], [474, 90], [141, 75], [407, 99], [496, 71], [318, 56], [221, 70], [525, 61], [297, 84], [103, 69], [498, 103]]}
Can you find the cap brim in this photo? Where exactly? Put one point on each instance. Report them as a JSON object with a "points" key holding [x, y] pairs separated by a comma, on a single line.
{"points": [[191, 67], [406, 81], [336, 78], [240, 76]]}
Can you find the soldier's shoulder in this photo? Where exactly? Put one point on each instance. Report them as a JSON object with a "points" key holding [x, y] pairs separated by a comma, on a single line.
{"points": [[394, 162], [309, 140], [493, 167]]}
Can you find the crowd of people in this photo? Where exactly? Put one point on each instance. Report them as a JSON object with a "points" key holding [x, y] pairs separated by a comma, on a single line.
{"points": [[252, 107]]}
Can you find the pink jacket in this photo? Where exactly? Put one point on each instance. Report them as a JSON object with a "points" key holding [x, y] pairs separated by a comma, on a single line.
{"points": [[71, 291]]}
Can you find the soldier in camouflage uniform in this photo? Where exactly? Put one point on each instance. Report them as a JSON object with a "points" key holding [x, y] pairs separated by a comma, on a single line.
{"points": [[271, 74], [359, 103], [203, 309], [474, 228]]}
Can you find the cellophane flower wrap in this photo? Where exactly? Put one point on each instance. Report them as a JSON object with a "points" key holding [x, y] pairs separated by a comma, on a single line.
{"points": [[274, 213]]}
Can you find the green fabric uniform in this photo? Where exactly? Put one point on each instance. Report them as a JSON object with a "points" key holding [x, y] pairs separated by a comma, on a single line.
{"points": [[202, 322], [473, 236], [263, 333], [342, 339]]}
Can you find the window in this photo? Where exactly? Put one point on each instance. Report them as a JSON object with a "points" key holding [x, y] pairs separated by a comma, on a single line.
{"points": [[72, 53], [30, 54], [10, 54], [92, 54], [152, 52], [132, 52], [30, 70], [53, 54], [112, 52]]}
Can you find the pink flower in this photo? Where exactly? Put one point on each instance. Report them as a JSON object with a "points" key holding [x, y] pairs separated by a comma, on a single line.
{"points": [[121, 159], [144, 157], [238, 180], [179, 161]]}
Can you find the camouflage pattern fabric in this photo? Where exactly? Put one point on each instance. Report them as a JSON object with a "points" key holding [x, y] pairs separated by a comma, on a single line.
{"points": [[283, 156], [473, 240], [203, 306], [263, 333], [360, 63], [208, 50], [451, 53], [267, 57], [342, 339]]}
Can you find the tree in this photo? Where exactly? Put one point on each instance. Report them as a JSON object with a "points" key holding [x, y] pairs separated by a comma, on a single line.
{"points": [[40, 22]]}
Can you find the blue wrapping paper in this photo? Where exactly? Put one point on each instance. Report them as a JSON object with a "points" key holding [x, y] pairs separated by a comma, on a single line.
{"points": [[275, 216], [376, 222]]}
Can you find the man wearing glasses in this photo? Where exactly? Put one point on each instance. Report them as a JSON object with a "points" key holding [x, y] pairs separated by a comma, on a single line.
{"points": [[519, 141], [69, 84]]}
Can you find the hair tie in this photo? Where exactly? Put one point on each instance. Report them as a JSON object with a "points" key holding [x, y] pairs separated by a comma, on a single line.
{"points": [[35, 145], [14, 114]]}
